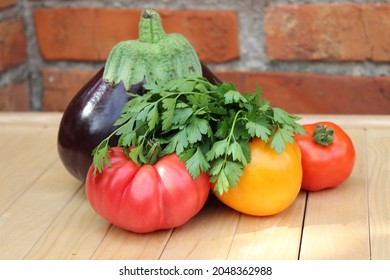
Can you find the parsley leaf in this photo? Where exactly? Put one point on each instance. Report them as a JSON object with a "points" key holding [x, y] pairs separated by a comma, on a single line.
{"points": [[197, 163], [196, 128], [217, 150], [167, 116], [233, 96], [258, 130], [208, 126], [237, 153]]}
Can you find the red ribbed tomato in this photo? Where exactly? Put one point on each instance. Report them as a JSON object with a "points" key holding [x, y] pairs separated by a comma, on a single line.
{"points": [[148, 197]]}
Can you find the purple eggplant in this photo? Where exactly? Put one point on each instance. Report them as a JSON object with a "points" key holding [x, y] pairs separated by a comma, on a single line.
{"points": [[87, 120], [90, 116]]}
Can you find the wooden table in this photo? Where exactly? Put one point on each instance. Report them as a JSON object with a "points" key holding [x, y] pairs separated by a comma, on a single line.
{"points": [[44, 213]]}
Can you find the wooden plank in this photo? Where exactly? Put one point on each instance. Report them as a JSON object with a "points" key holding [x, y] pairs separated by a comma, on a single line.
{"points": [[350, 121], [75, 234], [79, 233], [275, 237], [378, 162], [208, 235], [44, 213], [53, 119], [13, 142], [120, 244], [336, 221], [24, 160], [24, 222], [41, 119]]}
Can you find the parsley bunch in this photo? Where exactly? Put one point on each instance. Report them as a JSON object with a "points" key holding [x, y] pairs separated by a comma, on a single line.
{"points": [[208, 126]]}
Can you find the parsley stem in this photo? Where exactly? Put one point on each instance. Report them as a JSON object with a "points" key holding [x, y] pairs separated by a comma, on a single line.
{"points": [[231, 134], [168, 94], [200, 110]]}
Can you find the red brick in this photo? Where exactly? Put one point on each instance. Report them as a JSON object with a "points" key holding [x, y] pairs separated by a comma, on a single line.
{"points": [[59, 86], [344, 32], [90, 33], [15, 97], [317, 94], [214, 34], [7, 3], [377, 22], [82, 34], [294, 92], [13, 43]]}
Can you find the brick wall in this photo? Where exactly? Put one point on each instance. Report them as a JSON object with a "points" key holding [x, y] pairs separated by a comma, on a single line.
{"points": [[14, 93], [309, 57]]}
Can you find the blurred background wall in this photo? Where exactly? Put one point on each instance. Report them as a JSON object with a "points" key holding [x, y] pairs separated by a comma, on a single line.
{"points": [[309, 56]]}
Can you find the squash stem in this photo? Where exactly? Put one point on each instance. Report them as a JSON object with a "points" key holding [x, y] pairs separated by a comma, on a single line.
{"points": [[150, 27]]}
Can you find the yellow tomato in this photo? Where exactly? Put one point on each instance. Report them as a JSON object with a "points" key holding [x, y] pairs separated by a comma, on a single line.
{"points": [[270, 183]]}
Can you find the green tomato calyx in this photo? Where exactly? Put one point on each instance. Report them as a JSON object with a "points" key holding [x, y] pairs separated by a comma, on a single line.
{"points": [[323, 135]]}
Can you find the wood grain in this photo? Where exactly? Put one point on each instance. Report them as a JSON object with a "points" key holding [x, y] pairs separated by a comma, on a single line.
{"points": [[350, 121], [44, 213], [378, 171], [26, 155], [75, 233], [36, 119], [336, 221], [206, 236], [26, 220], [275, 237], [124, 245]]}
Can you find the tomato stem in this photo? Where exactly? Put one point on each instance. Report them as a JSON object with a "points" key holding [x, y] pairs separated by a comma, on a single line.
{"points": [[323, 135], [153, 154]]}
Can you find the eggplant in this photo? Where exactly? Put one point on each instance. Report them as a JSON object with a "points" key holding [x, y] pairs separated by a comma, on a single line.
{"points": [[87, 120], [90, 116]]}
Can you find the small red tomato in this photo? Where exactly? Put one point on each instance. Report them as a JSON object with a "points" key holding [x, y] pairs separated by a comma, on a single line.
{"points": [[328, 156], [148, 197]]}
